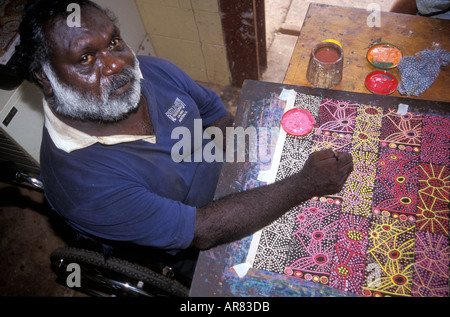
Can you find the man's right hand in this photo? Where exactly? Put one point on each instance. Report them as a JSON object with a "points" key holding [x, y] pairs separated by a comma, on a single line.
{"points": [[325, 172]]}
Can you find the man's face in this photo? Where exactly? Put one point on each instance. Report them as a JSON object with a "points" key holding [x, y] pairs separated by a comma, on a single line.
{"points": [[92, 72]]}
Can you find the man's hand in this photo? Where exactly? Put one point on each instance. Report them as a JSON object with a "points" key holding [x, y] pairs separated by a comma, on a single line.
{"points": [[239, 215], [325, 172]]}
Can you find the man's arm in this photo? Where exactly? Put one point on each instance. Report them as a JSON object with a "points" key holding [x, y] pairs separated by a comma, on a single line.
{"points": [[239, 215], [405, 6]]}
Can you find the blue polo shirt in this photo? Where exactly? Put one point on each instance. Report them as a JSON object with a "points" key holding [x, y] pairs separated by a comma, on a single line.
{"points": [[134, 191]]}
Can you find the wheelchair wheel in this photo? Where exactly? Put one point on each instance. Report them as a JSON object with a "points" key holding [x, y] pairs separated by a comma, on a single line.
{"points": [[113, 277]]}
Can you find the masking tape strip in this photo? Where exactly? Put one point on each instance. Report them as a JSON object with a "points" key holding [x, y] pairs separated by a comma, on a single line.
{"points": [[402, 109], [268, 176]]}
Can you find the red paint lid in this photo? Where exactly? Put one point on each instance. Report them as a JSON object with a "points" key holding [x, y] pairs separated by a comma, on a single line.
{"points": [[381, 82], [297, 122]]}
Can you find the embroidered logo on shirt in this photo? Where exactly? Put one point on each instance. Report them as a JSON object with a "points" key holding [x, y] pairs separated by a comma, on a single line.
{"points": [[177, 112]]}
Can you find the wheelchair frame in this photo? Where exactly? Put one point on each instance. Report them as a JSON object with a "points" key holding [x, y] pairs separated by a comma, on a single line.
{"points": [[102, 276]]}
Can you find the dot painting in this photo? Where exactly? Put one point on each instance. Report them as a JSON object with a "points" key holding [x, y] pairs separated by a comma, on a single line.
{"points": [[391, 250], [347, 271], [432, 259], [436, 140], [312, 240], [396, 184], [337, 116], [387, 232], [366, 136], [401, 129]]}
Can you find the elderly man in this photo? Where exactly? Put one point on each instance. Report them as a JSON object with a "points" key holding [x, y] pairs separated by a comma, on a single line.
{"points": [[106, 149]]}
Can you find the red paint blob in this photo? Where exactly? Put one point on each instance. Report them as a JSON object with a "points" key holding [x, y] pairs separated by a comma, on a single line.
{"points": [[381, 82]]}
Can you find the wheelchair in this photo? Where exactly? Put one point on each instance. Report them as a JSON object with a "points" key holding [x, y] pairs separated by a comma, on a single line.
{"points": [[113, 277], [106, 268]]}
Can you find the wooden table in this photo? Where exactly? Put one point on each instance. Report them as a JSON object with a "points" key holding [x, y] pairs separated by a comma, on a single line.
{"points": [[215, 275], [411, 34]]}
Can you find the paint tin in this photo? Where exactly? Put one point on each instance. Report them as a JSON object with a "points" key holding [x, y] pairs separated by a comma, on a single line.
{"points": [[325, 65], [384, 55], [297, 122]]}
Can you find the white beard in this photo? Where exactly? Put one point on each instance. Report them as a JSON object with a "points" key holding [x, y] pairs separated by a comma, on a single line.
{"points": [[81, 105]]}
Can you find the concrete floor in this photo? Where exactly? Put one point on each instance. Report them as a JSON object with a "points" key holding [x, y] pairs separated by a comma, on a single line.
{"points": [[28, 229]]}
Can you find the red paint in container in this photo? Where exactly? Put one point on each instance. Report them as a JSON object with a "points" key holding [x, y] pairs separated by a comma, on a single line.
{"points": [[327, 54], [297, 122], [381, 82]]}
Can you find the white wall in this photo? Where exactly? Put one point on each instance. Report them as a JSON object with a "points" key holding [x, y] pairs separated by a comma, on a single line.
{"points": [[131, 27]]}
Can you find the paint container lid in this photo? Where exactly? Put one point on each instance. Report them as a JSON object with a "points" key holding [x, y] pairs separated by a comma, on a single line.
{"points": [[381, 82], [333, 41], [384, 55], [297, 122]]}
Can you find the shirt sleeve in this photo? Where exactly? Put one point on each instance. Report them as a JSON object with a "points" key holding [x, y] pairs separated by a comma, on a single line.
{"points": [[210, 105]]}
